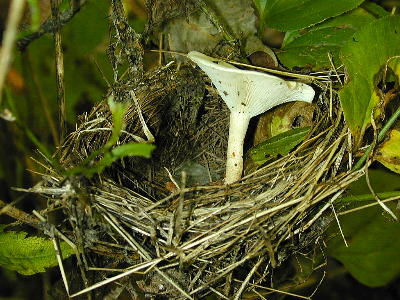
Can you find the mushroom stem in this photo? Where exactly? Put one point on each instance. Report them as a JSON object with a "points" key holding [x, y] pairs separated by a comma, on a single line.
{"points": [[239, 122]]}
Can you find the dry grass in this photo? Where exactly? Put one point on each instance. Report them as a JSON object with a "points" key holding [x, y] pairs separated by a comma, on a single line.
{"points": [[176, 238], [194, 239]]}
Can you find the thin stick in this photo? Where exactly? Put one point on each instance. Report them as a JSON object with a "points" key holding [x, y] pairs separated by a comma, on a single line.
{"points": [[68, 241], [49, 25], [14, 15], [383, 205], [248, 277], [317, 215], [143, 253], [338, 223], [272, 71], [222, 296], [62, 236], [8, 209], [146, 130], [187, 246], [135, 269], [316, 288], [60, 263], [280, 291], [334, 69], [160, 46], [367, 205], [59, 59], [214, 19], [173, 283]]}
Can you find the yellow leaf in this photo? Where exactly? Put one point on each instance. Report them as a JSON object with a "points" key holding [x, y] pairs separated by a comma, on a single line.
{"points": [[389, 152]]}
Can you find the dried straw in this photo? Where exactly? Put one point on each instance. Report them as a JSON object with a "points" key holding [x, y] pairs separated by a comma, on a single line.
{"points": [[195, 238], [176, 237]]}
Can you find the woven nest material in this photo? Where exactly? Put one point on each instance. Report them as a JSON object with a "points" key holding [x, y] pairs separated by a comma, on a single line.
{"points": [[169, 223], [193, 239]]}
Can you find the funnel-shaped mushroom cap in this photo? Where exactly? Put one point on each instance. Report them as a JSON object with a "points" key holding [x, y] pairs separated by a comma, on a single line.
{"points": [[247, 94], [250, 92]]}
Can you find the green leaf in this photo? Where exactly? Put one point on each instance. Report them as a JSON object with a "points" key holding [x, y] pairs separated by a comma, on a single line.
{"points": [[388, 153], [382, 181], [30, 255], [297, 14], [368, 231], [130, 149], [375, 9], [280, 144], [365, 57], [373, 253], [310, 47], [118, 112]]}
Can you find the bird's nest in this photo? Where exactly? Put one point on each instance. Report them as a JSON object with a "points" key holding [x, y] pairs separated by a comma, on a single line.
{"points": [[169, 222], [135, 218]]}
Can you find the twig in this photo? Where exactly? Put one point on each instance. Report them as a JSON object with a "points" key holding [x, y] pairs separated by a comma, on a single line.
{"points": [[54, 230], [59, 260], [145, 255], [19, 215], [135, 269], [146, 130], [319, 284], [129, 40], [50, 26], [59, 68], [246, 281], [339, 226], [396, 198], [222, 296], [383, 205], [214, 19], [15, 13], [279, 291]]}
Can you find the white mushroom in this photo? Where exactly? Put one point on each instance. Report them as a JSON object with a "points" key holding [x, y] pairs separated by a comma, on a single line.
{"points": [[247, 94]]}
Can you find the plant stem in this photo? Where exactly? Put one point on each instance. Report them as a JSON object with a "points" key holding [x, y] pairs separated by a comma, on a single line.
{"points": [[59, 61], [15, 13]]}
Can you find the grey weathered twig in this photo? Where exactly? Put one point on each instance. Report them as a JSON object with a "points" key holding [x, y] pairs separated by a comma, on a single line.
{"points": [[50, 25], [10, 210], [59, 60]]}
